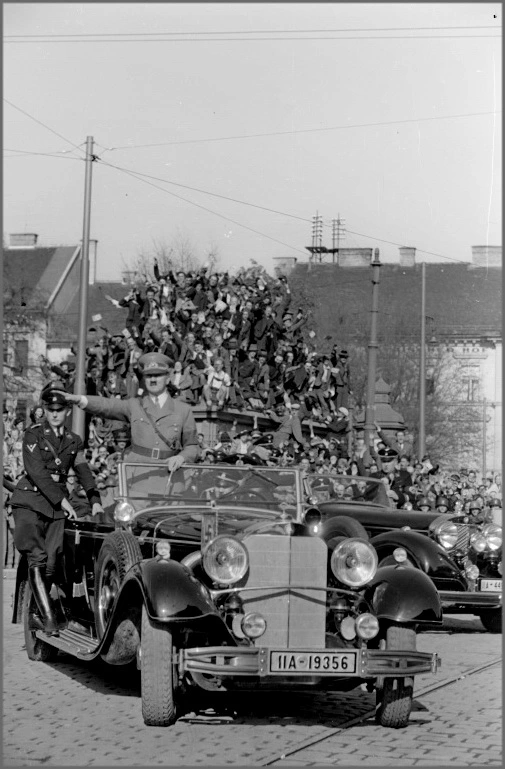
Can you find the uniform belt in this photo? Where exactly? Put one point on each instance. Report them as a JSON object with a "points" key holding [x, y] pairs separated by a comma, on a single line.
{"points": [[153, 453]]}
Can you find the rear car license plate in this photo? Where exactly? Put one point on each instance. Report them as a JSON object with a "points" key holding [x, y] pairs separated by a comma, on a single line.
{"points": [[319, 663], [490, 585]]}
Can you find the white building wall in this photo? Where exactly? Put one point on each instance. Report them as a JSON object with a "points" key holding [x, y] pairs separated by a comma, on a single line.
{"points": [[468, 361], [492, 392]]}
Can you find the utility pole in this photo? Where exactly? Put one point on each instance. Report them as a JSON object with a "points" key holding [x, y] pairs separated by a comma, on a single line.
{"points": [[422, 367], [484, 438], [372, 353], [79, 387]]}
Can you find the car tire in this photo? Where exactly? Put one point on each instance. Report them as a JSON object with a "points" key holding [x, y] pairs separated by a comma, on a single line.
{"points": [[157, 674], [343, 526], [395, 695], [37, 650], [119, 552], [492, 620]]}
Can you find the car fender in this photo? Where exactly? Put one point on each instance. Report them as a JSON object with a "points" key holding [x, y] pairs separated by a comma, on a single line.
{"points": [[423, 552], [171, 592], [402, 594]]}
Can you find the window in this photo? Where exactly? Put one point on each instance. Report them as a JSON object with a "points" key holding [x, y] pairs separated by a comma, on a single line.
{"points": [[471, 388], [21, 355]]}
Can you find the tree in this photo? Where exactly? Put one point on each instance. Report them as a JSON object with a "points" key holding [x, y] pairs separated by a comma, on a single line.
{"points": [[178, 254]]}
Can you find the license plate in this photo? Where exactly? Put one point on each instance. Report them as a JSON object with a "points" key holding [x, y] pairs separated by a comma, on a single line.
{"points": [[490, 585], [319, 663]]}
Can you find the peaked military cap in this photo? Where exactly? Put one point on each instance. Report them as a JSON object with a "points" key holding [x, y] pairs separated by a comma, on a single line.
{"points": [[53, 398], [154, 363]]}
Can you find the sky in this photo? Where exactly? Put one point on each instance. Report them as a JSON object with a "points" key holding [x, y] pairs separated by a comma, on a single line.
{"points": [[385, 115]]}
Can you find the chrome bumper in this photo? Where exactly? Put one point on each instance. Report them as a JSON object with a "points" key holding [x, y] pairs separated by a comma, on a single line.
{"points": [[233, 661], [454, 599]]}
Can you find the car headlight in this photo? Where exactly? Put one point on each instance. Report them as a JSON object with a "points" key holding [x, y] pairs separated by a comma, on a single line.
{"points": [[354, 562], [225, 560], [478, 541], [493, 536], [445, 532], [124, 512], [312, 516]]}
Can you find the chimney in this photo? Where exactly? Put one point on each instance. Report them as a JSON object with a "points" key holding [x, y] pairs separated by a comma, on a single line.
{"points": [[23, 240], [284, 265], [354, 257], [486, 256], [92, 261], [407, 256]]}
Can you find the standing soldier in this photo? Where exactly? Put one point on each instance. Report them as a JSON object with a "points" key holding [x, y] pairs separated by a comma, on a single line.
{"points": [[161, 427], [40, 501]]}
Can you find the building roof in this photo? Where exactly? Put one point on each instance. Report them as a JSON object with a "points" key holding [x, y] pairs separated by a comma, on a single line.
{"points": [[31, 274], [65, 329], [461, 300]]}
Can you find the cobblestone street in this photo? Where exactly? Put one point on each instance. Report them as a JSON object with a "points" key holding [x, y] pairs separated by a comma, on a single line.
{"points": [[69, 713]]}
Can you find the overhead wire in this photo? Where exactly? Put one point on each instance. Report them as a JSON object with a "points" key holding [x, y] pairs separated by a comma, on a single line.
{"points": [[144, 40], [24, 112], [269, 210], [303, 130], [140, 176], [254, 31], [23, 154], [209, 210], [207, 192]]}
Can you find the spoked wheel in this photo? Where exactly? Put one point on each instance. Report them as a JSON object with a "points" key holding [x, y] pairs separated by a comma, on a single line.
{"points": [[394, 697], [35, 648], [119, 552], [158, 673], [492, 620]]}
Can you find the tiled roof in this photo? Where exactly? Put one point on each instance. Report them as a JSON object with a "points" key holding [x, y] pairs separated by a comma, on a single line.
{"points": [[25, 271], [65, 328], [459, 300]]}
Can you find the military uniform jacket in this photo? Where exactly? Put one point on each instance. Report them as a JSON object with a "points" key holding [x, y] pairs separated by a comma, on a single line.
{"points": [[174, 420], [43, 486]]}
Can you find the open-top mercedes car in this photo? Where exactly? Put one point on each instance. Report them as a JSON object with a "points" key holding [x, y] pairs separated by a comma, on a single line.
{"points": [[211, 578], [460, 553]]}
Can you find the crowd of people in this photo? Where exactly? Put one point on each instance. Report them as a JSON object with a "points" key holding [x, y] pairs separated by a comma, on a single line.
{"points": [[235, 343]]}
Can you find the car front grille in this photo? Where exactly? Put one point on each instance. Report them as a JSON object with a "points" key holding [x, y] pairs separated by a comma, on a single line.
{"points": [[463, 541], [295, 617]]}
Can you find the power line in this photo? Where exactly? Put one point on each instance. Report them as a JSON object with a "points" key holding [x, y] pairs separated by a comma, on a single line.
{"points": [[43, 124], [207, 192], [209, 210], [24, 153], [422, 250], [303, 130], [251, 31], [141, 176], [250, 39], [269, 210]]}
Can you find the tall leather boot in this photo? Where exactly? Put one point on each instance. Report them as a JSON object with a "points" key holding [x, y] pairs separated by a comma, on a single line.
{"points": [[36, 577]]}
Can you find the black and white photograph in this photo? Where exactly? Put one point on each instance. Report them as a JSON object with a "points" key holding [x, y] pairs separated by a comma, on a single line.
{"points": [[252, 384]]}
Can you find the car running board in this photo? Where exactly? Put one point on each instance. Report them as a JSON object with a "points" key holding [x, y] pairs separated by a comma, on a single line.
{"points": [[73, 642]]}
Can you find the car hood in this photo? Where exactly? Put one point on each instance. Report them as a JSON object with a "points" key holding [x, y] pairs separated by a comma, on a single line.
{"points": [[370, 514]]}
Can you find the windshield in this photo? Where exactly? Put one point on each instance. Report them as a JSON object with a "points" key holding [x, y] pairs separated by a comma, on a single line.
{"points": [[346, 488], [146, 485]]}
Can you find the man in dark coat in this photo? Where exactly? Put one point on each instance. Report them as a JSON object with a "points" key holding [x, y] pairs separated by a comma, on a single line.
{"points": [[40, 502]]}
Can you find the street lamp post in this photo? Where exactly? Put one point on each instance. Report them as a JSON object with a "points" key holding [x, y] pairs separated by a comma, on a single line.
{"points": [[372, 353], [422, 367]]}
